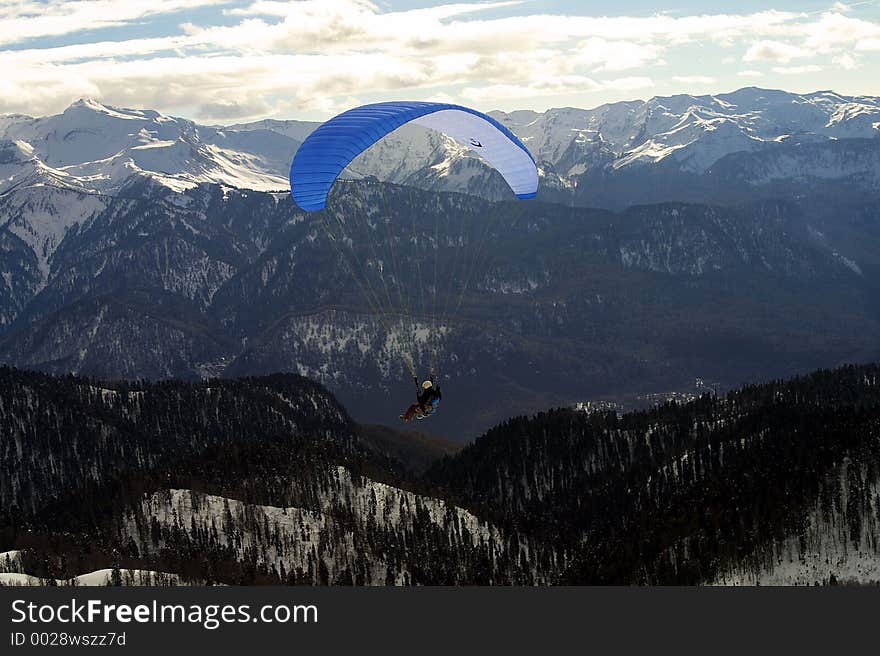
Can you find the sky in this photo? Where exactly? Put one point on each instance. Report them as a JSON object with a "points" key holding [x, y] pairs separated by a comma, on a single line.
{"points": [[223, 62]]}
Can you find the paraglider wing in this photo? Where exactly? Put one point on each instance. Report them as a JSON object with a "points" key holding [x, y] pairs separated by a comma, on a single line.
{"points": [[330, 148]]}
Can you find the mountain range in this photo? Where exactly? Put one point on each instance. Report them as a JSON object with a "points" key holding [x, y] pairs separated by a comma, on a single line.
{"points": [[200, 392], [98, 148], [727, 238]]}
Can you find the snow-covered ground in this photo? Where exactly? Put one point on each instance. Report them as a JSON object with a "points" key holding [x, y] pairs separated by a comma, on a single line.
{"points": [[827, 550], [101, 577], [42, 216], [12, 573], [302, 538]]}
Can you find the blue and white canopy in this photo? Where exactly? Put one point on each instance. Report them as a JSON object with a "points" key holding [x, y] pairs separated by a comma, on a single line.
{"points": [[330, 148]]}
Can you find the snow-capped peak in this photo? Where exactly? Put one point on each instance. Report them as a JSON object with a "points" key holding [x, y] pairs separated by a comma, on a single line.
{"points": [[95, 146]]}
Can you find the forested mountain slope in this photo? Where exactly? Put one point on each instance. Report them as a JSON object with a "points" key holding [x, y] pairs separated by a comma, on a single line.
{"points": [[266, 480], [722, 488], [567, 304], [254, 480]]}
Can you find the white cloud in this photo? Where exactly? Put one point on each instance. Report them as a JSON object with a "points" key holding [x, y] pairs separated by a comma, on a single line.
{"points": [[797, 70], [868, 45], [96, 50], [563, 86], [632, 83], [834, 30], [607, 55], [283, 57], [775, 51], [557, 87], [845, 61], [698, 80], [43, 92], [20, 21], [750, 73], [352, 24]]}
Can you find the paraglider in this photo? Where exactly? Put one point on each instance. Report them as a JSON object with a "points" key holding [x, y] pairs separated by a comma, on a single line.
{"points": [[332, 147], [377, 268], [428, 399]]}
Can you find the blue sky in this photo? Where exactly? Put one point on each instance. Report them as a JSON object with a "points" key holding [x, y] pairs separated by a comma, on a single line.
{"points": [[227, 61]]}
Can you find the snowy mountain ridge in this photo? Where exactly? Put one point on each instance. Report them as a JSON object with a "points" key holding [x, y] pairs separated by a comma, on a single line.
{"points": [[95, 147]]}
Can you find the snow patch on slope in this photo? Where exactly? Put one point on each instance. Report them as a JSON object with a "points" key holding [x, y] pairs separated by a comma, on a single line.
{"points": [[42, 217], [829, 546], [98, 578], [302, 532]]}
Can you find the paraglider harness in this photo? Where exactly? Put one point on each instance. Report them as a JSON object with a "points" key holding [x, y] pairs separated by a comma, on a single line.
{"points": [[429, 399]]}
